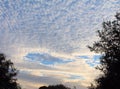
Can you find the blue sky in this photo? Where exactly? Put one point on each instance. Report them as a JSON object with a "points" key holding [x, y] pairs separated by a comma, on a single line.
{"points": [[47, 39], [46, 59]]}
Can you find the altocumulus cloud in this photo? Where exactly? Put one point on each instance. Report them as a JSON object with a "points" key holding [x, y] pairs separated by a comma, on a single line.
{"points": [[48, 38]]}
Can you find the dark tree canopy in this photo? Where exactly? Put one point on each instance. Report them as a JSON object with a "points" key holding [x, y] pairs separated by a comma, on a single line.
{"points": [[109, 47], [60, 86], [7, 74]]}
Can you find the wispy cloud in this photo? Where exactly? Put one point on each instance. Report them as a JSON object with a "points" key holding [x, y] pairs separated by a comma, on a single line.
{"points": [[60, 30]]}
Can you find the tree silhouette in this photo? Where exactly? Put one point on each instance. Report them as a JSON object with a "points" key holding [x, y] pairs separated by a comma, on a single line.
{"points": [[109, 47], [60, 86], [7, 74]]}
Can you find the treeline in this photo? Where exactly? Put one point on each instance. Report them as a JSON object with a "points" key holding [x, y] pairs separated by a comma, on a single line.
{"points": [[109, 48]]}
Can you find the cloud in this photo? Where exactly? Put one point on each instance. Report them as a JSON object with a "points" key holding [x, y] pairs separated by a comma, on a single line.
{"points": [[41, 24], [59, 29], [39, 79], [77, 71], [26, 81]]}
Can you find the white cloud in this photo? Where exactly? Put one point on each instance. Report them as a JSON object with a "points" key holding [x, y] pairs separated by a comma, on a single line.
{"points": [[59, 28], [78, 72]]}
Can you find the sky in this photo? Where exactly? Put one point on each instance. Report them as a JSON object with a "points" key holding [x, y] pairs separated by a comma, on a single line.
{"points": [[47, 39]]}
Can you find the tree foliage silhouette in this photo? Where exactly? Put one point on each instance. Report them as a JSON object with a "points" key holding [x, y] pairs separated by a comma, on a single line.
{"points": [[60, 86], [7, 74], [109, 47]]}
